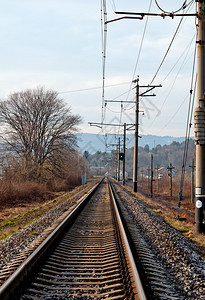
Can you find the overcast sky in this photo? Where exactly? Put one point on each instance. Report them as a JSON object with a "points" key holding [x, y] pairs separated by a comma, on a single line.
{"points": [[58, 44]]}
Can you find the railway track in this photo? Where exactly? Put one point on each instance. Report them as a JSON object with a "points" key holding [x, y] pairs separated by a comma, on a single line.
{"points": [[89, 258], [98, 252]]}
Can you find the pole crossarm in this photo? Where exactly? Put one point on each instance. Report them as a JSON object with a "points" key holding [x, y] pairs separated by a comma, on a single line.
{"points": [[104, 124], [125, 17], [141, 15], [120, 101], [163, 15], [150, 88]]}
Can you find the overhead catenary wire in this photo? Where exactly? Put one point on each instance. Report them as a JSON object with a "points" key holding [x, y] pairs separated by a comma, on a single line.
{"points": [[113, 5], [179, 25], [185, 52], [174, 114], [138, 56], [182, 7], [169, 47], [140, 49], [94, 88], [167, 51], [186, 49], [189, 115], [189, 122], [185, 5]]}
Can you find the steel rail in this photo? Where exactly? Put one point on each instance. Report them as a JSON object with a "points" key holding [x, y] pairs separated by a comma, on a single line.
{"points": [[136, 281], [10, 285]]}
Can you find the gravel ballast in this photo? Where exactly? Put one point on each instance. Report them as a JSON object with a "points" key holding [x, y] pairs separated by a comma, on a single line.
{"points": [[177, 253], [22, 243]]}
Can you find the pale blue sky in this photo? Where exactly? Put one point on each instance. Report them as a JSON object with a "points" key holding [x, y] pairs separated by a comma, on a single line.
{"points": [[58, 44]]}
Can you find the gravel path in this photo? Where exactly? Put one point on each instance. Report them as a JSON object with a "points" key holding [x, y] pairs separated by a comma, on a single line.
{"points": [[176, 252]]}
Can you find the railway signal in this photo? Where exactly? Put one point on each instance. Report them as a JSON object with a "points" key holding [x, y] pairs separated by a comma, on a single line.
{"points": [[121, 156]]}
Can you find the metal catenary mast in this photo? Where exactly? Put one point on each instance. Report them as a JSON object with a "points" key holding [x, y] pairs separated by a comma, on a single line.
{"points": [[199, 122]]}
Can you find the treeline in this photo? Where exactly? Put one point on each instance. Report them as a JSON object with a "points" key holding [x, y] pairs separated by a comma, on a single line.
{"points": [[163, 156]]}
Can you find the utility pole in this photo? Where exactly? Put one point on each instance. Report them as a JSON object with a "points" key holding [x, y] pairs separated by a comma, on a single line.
{"points": [[199, 122], [118, 157], [112, 168], [151, 190], [170, 168], [100, 166], [142, 176], [157, 171], [138, 94], [124, 149], [192, 181], [148, 176], [135, 161]]}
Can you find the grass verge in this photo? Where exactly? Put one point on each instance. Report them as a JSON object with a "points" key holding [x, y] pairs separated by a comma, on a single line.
{"points": [[17, 222]]}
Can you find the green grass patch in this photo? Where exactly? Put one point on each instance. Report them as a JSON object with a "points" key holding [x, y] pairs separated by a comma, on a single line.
{"points": [[157, 211], [34, 233]]}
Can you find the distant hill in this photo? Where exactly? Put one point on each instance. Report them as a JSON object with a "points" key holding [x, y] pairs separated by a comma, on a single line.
{"points": [[96, 142]]}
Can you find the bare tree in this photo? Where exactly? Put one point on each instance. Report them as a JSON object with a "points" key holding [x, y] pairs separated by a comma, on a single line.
{"points": [[37, 126]]}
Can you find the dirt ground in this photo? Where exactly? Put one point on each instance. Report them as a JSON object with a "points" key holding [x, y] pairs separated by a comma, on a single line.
{"points": [[167, 208], [11, 208], [162, 199]]}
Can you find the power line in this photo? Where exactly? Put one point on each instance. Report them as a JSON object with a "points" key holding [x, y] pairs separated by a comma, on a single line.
{"points": [[175, 113], [93, 88], [189, 120], [116, 112], [179, 25], [184, 5], [138, 57], [187, 47], [169, 47], [189, 117], [140, 49], [113, 5], [172, 85]]}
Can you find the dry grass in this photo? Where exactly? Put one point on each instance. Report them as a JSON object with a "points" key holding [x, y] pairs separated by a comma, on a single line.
{"points": [[164, 186], [24, 213], [164, 191], [167, 207], [14, 191]]}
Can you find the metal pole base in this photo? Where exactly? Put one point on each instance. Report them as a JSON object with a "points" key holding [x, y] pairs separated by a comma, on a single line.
{"points": [[135, 186], [199, 226]]}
